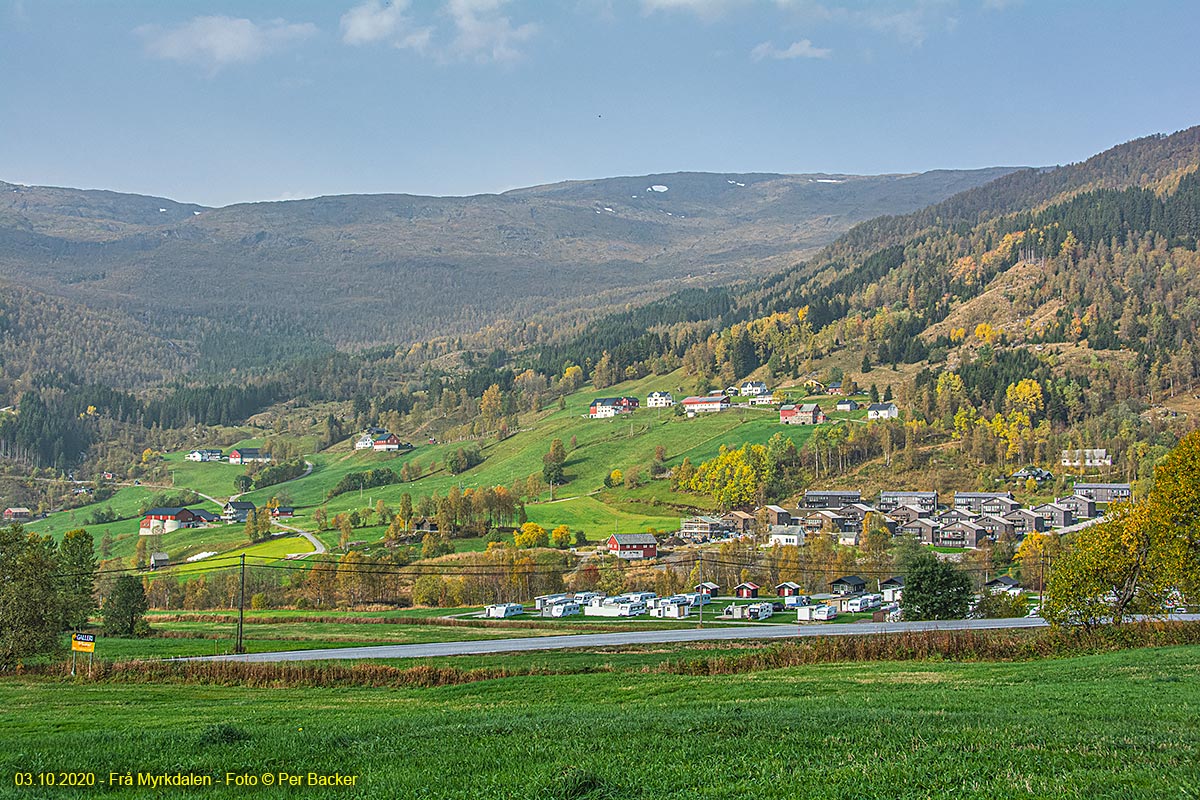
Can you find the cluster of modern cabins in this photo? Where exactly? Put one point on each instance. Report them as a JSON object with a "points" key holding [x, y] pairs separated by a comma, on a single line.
{"points": [[973, 519]]}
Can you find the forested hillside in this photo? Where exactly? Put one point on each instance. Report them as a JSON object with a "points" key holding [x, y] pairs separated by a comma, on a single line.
{"points": [[1047, 309], [1084, 280], [357, 270]]}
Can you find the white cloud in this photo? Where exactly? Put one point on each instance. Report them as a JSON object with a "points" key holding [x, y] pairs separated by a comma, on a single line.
{"points": [[705, 9], [483, 33], [801, 49], [910, 21], [218, 41], [375, 21]]}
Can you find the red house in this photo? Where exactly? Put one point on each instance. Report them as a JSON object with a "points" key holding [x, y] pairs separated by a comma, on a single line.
{"points": [[166, 520], [708, 587], [633, 545], [807, 414], [385, 442], [788, 589], [746, 590]]}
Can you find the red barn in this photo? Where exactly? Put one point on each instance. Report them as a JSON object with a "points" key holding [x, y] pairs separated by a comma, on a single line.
{"points": [[788, 589], [746, 590], [633, 545], [166, 520]]}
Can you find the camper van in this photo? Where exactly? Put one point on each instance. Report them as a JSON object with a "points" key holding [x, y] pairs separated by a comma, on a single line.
{"points": [[796, 601], [824, 613], [864, 603], [615, 610], [564, 609], [502, 610]]}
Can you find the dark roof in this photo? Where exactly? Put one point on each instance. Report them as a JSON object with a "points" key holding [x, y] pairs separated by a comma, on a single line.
{"points": [[880, 406], [1003, 580], [849, 580], [634, 538], [240, 505], [898, 580], [164, 512], [207, 516]]}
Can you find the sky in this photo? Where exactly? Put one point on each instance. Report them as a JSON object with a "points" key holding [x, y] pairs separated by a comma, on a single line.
{"points": [[224, 102]]}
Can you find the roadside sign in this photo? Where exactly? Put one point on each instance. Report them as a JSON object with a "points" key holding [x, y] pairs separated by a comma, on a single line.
{"points": [[83, 642]]}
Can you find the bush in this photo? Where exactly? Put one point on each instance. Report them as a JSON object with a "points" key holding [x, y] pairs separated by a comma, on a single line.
{"points": [[278, 473], [368, 479]]}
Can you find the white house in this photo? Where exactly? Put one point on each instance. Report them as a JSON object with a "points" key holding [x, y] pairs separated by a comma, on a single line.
{"points": [[660, 400], [364, 442], [672, 610], [882, 411], [205, 455], [753, 389], [706, 404], [892, 589], [1004, 584], [792, 537], [1093, 457]]}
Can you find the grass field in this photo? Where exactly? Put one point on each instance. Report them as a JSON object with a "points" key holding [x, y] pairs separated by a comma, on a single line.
{"points": [[126, 502], [274, 548], [1120, 725], [583, 504]]}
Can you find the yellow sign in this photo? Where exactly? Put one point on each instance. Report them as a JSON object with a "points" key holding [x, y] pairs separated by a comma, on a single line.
{"points": [[83, 642]]}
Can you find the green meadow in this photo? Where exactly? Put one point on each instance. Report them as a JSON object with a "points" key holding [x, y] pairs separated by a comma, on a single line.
{"points": [[582, 504], [1118, 725]]}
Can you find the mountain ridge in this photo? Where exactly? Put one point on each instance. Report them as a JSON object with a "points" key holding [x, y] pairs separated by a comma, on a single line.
{"points": [[363, 270]]}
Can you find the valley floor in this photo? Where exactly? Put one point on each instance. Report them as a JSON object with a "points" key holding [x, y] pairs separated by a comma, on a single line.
{"points": [[1117, 725]]}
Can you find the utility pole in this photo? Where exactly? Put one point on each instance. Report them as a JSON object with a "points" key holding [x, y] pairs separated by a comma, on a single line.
{"points": [[700, 593], [240, 647]]}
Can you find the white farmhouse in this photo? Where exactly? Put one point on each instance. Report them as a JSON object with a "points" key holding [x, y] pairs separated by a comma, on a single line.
{"points": [[660, 400]]}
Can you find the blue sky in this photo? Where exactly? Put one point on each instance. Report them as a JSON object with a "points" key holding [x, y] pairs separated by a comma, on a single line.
{"points": [[222, 102]]}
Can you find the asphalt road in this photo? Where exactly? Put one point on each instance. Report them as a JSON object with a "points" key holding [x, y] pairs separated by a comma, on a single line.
{"points": [[665, 636], [318, 545]]}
